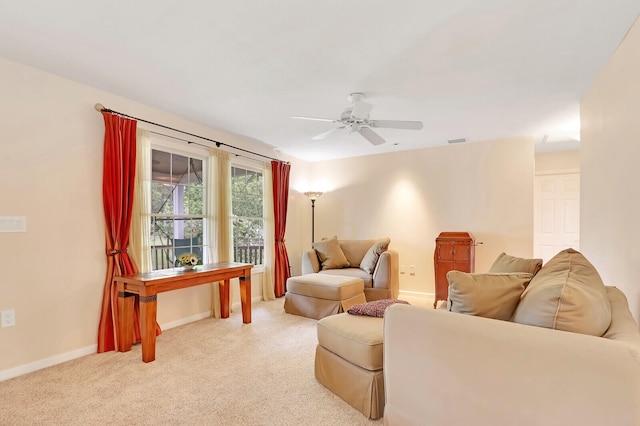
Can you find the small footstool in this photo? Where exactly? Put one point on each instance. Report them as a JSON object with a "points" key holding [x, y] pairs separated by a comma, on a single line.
{"points": [[349, 360], [319, 295]]}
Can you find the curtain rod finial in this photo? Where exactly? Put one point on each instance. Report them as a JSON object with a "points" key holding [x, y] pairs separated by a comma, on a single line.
{"points": [[99, 107]]}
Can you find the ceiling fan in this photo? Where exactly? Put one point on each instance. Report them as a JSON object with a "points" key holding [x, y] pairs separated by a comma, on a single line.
{"points": [[355, 118]]}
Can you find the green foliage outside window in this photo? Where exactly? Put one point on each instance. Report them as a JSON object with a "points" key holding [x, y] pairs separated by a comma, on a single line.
{"points": [[247, 211], [177, 207], [177, 210]]}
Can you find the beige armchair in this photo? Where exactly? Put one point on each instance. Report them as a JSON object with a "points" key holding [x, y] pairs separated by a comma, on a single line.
{"points": [[381, 278]]}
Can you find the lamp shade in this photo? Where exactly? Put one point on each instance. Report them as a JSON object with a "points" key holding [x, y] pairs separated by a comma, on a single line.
{"points": [[313, 195]]}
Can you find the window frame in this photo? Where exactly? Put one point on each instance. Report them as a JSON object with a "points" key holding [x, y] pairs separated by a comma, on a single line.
{"points": [[254, 166], [162, 143]]}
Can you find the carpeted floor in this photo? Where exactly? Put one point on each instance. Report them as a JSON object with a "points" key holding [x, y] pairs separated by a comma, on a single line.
{"points": [[210, 372]]}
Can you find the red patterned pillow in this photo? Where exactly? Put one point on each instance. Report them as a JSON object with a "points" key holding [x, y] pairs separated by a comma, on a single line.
{"points": [[375, 308]]}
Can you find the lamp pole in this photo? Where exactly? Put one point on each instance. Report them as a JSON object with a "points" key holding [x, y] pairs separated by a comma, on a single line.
{"points": [[313, 219], [313, 196]]}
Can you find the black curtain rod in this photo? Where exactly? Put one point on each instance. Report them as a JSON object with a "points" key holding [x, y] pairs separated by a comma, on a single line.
{"points": [[199, 144], [100, 108]]}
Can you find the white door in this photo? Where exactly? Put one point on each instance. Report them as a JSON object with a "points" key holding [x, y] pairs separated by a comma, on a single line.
{"points": [[556, 214]]}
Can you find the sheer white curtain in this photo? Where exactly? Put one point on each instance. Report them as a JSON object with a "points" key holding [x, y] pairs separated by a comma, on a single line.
{"points": [[140, 234], [219, 215], [269, 235]]}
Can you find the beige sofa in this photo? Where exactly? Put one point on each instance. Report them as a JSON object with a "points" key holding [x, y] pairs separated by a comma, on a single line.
{"points": [[445, 368], [369, 260]]}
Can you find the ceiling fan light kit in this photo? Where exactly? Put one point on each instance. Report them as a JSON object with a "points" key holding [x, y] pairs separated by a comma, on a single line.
{"points": [[356, 118]]}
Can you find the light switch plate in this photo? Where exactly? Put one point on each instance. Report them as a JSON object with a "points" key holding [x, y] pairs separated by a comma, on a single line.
{"points": [[13, 224]]}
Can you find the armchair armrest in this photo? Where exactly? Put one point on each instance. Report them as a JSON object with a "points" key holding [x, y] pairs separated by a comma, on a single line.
{"points": [[487, 372], [310, 262], [386, 273]]}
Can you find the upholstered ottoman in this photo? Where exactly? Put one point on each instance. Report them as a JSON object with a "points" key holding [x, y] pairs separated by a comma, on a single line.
{"points": [[349, 360], [320, 295]]}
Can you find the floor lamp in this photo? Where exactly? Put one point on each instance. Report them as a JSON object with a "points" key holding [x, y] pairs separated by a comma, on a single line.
{"points": [[313, 196]]}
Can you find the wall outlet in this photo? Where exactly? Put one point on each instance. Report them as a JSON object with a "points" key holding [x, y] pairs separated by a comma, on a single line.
{"points": [[8, 318], [412, 270], [402, 270]]}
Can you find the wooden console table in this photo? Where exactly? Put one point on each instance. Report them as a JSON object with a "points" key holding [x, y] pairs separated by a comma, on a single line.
{"points": [[148, 285]]}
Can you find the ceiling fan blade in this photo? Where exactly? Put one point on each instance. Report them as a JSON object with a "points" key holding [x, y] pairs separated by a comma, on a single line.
{"points": [[330, 120], [395, 124], [326, 134], [371, 136], [361, 110]]}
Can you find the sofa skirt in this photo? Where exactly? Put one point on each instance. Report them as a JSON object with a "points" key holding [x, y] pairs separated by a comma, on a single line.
{"points": [[362, 389], [373, 294], [310, 307]]}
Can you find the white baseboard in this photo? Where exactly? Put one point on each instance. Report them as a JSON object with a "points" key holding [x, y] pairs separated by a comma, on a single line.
{"points": [[202, 315], [47, 362], [417, 297], [238, 305], [417, 294], [92, 349], [187, 320]]}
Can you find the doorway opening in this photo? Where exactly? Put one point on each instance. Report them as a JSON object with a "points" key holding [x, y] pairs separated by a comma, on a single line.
{"points": [[556, 216]]}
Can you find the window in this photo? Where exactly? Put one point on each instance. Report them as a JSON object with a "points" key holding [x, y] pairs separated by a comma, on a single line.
{"points": [[247, 214], [177, 207]]}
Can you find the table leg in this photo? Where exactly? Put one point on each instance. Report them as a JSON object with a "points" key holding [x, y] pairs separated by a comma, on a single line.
{"points": [[224, 299], [148, 309], [125, 319], [245, 298]]}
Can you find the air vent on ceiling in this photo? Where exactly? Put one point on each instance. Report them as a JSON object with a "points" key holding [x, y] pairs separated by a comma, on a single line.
{"points": [[460, 140]]}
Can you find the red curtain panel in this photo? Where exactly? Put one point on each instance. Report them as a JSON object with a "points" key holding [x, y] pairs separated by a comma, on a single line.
{"points": [[280, 172], [117, 194]]}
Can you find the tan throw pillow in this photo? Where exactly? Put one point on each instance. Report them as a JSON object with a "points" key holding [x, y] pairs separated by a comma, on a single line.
{"points": [[567, 294], [330, 253], [354, 250], [506, 263], [370, 258], [486, 295]]}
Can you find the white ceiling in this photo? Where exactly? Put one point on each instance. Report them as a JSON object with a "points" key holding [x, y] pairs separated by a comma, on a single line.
{"points": [[475, 69]]}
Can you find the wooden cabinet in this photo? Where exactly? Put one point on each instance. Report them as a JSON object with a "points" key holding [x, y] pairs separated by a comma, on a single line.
{"points": [[454, 250]]}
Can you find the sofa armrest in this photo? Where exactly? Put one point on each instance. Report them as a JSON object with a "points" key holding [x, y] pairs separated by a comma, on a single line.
{"points": [[310, 262], [443, 368], [386, 273]]}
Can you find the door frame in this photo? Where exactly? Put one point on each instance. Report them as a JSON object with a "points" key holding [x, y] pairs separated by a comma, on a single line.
{"points": [[536, 212]]}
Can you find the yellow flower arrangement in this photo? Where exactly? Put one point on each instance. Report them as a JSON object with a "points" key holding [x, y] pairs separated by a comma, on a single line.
{"points": [[188, 260]]}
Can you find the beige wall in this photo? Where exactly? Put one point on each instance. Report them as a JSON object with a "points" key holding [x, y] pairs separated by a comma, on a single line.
{"points": [[562, 161], [51, 169], [51, 172], [610, 138], [485, 188]]}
